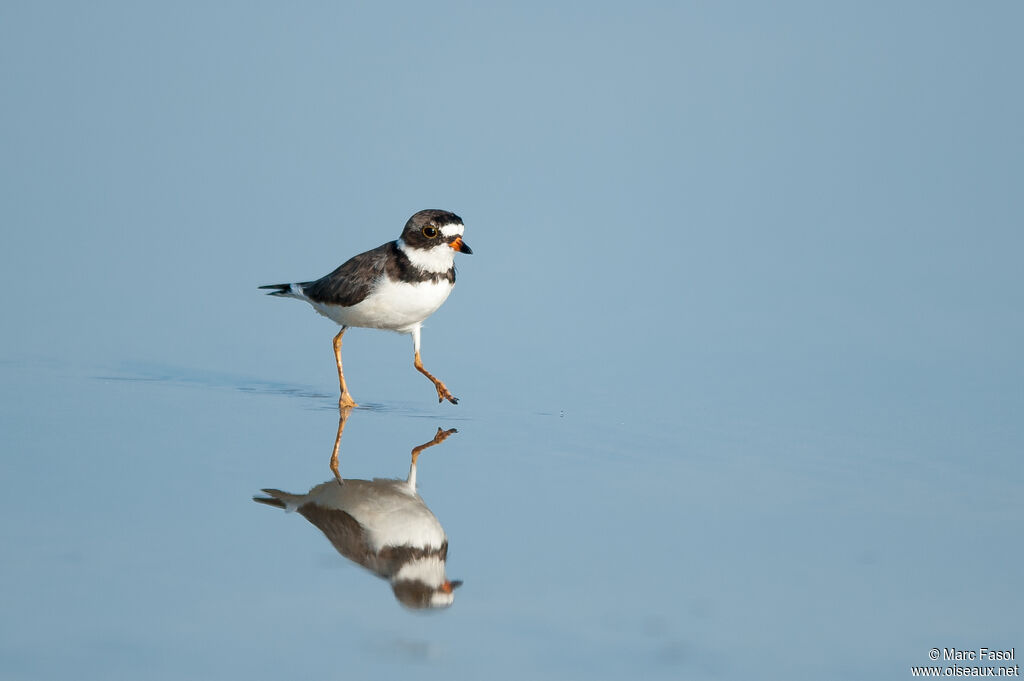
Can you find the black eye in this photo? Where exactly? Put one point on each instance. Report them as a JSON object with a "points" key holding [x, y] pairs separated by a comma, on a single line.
{"points": [[430, 232]]}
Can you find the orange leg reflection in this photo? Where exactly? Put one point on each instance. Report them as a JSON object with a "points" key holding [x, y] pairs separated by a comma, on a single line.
{"points": [[342, 417], [440, 437], [344, 412]]}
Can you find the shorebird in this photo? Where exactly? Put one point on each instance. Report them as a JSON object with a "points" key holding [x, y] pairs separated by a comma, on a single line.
{"points": [[384, 526], [394, 286]]}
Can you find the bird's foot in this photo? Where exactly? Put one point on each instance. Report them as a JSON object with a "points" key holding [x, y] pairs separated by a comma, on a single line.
{"points": [[346, 401], [439, 437], [442, 435], [444, 394]]}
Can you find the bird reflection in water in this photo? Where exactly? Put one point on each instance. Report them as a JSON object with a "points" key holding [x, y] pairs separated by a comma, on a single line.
{"points": [[383, 525]]}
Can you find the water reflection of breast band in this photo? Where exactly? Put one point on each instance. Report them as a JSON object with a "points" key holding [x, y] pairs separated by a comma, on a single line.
{"points": [[383, 525]]}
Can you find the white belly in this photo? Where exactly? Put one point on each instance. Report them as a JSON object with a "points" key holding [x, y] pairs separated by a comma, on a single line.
{"points": [[389, 511], [396, 306]]}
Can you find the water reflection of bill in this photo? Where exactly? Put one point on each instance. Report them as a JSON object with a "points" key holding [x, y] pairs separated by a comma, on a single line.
{"points": [[383, 525]]}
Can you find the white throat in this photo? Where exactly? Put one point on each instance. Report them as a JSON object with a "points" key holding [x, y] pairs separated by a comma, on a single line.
{"points": [[438, 259], [429, 570]]}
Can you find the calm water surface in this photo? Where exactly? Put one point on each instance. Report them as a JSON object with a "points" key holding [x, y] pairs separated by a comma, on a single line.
{"points": [[595, 544]]}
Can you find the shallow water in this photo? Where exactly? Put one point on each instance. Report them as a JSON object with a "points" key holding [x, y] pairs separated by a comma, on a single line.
{"points": [[737, 351], [589, 546]]}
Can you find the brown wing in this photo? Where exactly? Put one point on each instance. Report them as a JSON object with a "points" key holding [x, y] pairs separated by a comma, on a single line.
{"points": [[347, 536], [352, 281], [343, 531]]}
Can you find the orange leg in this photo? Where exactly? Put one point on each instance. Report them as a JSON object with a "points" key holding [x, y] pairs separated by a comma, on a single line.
{"points": [[346, 399], [442, 391]]}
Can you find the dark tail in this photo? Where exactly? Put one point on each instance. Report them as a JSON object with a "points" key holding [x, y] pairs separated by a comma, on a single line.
{"points": [[271, 500], [279, 289]]}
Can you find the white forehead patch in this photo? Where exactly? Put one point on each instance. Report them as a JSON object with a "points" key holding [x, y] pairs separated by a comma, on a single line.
{"points": [[453, 229]]}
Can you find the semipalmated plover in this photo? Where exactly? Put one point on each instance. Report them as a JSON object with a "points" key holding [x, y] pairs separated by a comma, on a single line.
{"points": [[394, 286], [383, 525]]}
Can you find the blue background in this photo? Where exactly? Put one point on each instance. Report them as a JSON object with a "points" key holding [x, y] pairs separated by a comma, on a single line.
{"points": [[738, 349]]}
